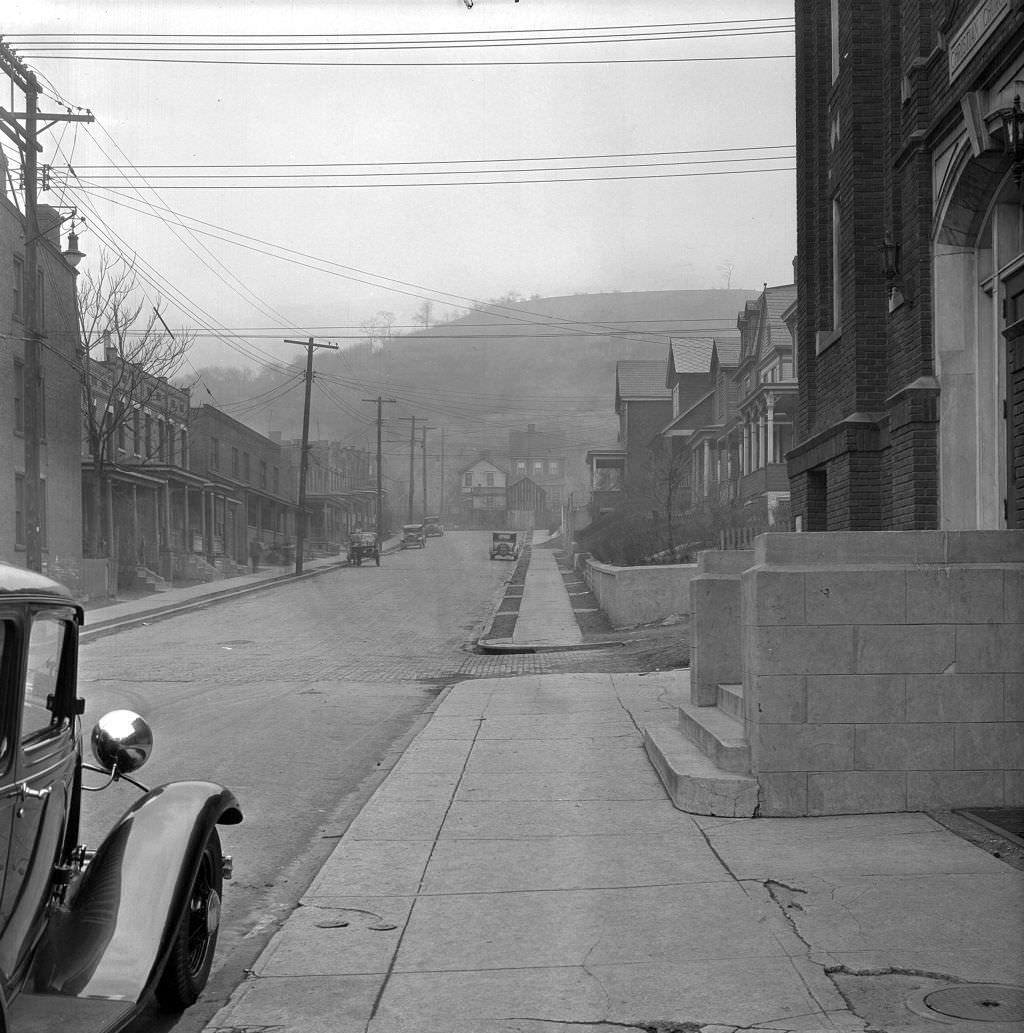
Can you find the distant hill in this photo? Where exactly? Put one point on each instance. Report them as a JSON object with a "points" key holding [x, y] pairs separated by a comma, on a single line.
{"points": [[546, 361]]}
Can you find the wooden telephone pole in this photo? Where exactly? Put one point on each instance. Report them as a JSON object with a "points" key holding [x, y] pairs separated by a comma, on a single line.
{"points": [[26, 139], [380, 466], [300, 531]]}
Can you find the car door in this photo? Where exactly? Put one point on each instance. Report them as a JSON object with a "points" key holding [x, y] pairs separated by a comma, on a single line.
{"points": [[10, 704], [39, 796]]}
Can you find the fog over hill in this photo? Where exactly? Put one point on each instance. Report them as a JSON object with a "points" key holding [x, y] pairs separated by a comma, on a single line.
{"points": [[546, 361]]}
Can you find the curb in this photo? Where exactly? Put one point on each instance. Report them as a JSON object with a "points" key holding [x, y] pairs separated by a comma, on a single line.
{"points": [[506, 645], [100, 627]]}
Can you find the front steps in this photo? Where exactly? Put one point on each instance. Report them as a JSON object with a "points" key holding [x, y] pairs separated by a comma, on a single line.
{"points": [[703, 758]]}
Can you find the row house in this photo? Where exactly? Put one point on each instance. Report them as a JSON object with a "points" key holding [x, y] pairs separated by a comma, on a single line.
{"points": [[57, 391], [539, 455], [341, 492], [643, 405], [142, 506], [765, 391], [248, 489]]}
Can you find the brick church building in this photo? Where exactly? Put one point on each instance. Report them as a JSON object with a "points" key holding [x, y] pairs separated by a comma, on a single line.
{"points": [[910, 266]]}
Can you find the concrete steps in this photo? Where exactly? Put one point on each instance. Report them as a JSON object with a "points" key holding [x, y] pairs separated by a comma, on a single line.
{"points": [[151, 578], [703, 759]]}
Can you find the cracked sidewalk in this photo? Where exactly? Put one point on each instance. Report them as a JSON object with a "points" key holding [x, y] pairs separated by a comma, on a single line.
{"points": [[521, 870]]}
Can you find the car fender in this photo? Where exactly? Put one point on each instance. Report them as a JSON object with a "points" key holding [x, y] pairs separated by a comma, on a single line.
{"points": [[112, 934]]}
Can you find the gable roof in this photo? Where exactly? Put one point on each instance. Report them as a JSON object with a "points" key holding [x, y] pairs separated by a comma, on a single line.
{"points": [[762, 324], [476, 462], [728, 353], [689, 355], [640, 380]]}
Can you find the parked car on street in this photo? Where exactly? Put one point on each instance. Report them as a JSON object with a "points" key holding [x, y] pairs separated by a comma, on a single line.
{"points": [[363, 545], [413, 537], [432, 527], [89, 937], [505, 545]]}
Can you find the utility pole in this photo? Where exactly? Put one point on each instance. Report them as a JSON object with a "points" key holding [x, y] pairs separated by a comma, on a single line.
{"points": [[441, 508], [423, 451], [28, 144], [380, 467], [412, 460], [300, 530]]}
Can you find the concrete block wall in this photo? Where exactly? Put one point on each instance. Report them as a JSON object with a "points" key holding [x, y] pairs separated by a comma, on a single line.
{"points": [[716, 647], [640, 595], [884, 671]]}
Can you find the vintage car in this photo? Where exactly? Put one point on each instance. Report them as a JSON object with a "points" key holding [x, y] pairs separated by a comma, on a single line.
{"points": [[88, 938], [413, 537], [505, 545], [363, 545], [432, 527]]}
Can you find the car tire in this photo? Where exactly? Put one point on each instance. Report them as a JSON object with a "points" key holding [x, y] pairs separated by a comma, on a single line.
{"points": [[188, 964]]}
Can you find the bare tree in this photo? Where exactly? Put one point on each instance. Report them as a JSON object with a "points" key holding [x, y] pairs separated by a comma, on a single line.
{"points": [[669, 471], [424, 315], [128, 356]]}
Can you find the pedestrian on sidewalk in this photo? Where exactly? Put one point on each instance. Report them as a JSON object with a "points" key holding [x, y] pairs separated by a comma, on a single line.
{"points": [[254, 554]]}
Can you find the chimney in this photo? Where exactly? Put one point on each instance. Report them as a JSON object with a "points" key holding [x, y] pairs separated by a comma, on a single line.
{"points": [[109, 351]]}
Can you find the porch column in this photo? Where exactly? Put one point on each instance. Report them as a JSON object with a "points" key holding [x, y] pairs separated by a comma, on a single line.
{"points": [[188, 525], [771, 429], [707, 469], [135, 524]]}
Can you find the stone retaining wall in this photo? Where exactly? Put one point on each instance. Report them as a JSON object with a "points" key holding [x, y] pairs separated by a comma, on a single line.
{"points": [[884, 671]]}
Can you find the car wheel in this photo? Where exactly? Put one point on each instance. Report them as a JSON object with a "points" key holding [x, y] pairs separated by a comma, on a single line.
{"points": [[188, 965]]}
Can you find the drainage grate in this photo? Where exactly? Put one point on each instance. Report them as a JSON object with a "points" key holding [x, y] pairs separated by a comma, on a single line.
{"points": [[979, 1003]]}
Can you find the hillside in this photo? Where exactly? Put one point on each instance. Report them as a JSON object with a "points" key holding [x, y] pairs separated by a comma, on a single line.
{"points": [[547, 361]]}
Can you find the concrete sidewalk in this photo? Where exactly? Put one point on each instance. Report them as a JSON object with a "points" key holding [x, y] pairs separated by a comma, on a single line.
{"points": [[545, 616], [521, 869]]}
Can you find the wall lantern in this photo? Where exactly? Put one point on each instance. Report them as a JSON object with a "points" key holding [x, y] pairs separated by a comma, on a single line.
{"points": [[1013, 138]]}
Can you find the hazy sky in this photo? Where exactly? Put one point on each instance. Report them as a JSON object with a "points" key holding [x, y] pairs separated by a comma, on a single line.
{"points": [[348, 144]]}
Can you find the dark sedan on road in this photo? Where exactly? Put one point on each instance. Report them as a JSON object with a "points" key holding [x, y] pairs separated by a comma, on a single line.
{"points": [[89, 937], [413, 537]]}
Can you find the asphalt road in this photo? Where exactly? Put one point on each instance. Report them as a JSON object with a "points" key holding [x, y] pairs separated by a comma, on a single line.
{"points": [[299, 698]]}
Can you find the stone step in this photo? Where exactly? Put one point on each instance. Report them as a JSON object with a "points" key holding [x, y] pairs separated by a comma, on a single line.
{"points": [[730, 700], [718, 735], [694, 784]]}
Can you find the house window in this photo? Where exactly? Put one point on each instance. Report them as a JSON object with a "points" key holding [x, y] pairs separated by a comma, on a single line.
{"points": [[171, 458], [19, 397], [538, 469], [18, 302], [136, 432], [521, 466], [277, 479], [214, 454], [236, 464], [553, 468], [489, 479], [149, 436], [246, 473], [263, 473], [468, 482]]}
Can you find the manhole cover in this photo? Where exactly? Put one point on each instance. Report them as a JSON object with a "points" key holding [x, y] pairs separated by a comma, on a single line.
{"points": [[980, 1003]]}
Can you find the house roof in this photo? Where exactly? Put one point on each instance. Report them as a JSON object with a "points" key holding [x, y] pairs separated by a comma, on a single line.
{"points": [[766, 329], [690, 355], [639, 380], [478, 461], [728, 353]]}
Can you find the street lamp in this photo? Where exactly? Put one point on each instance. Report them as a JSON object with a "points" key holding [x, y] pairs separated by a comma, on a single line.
{"points": [[72, 255], [1013, 138]]}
